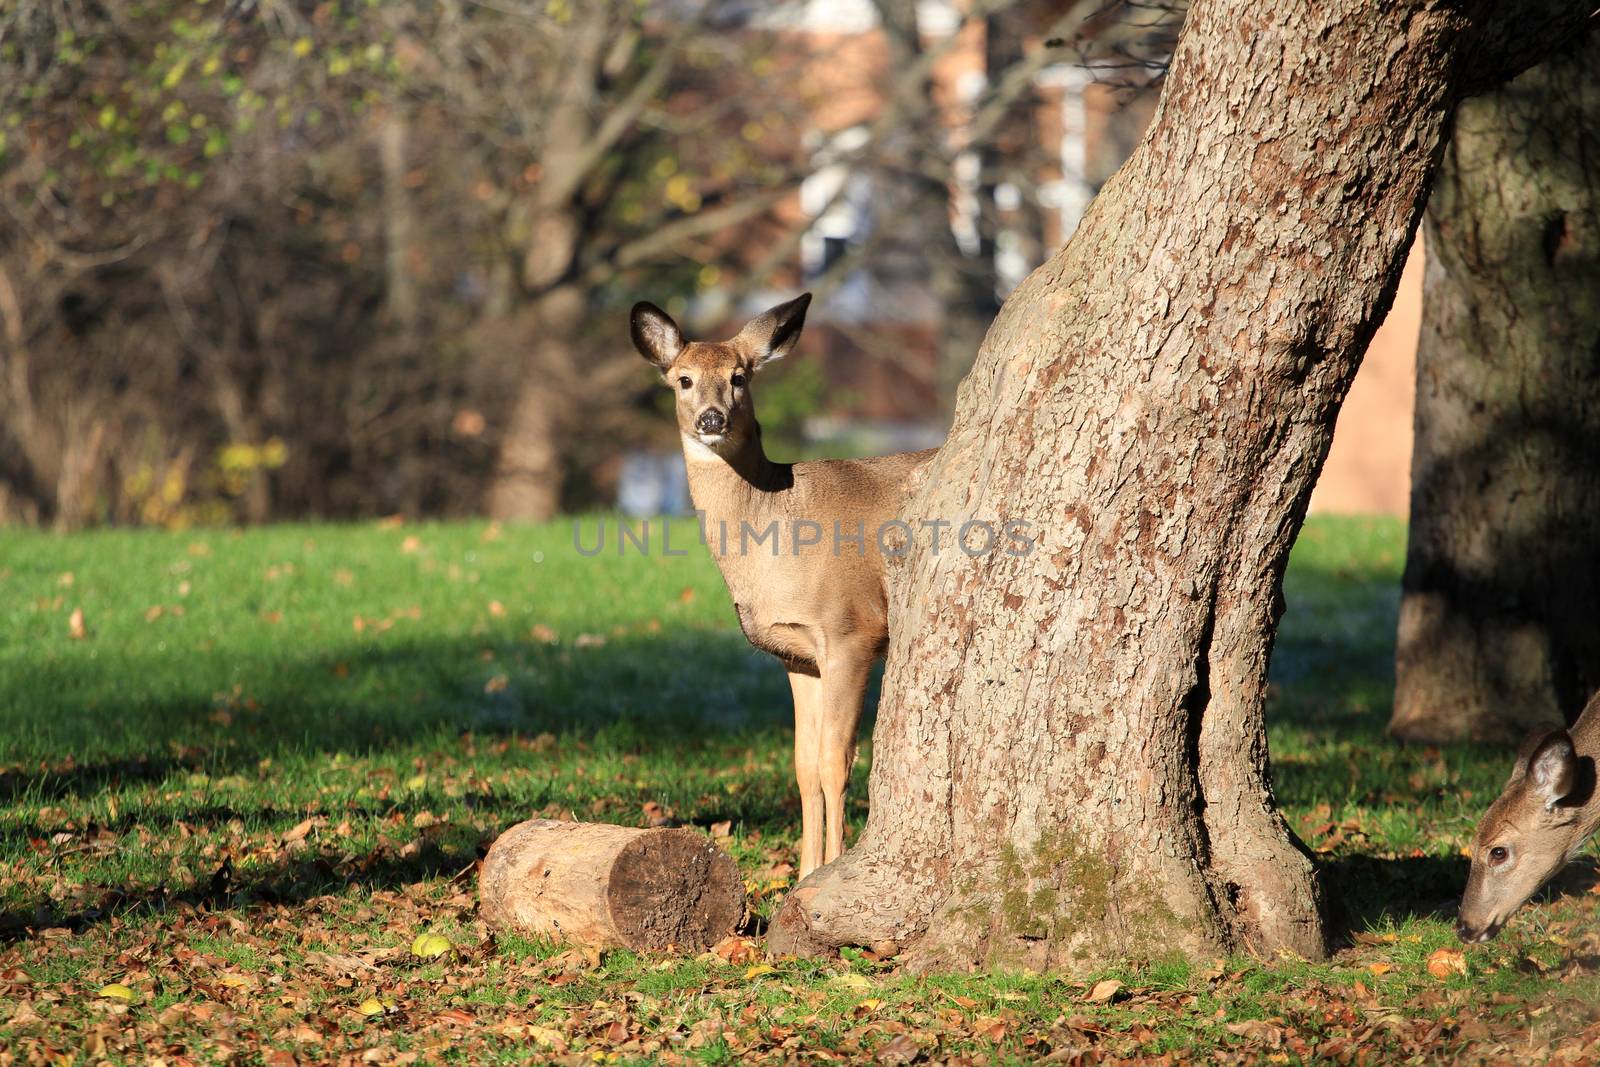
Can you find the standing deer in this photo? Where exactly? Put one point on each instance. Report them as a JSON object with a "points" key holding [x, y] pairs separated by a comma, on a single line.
{"points": [[816, 598], [1542, 818]]}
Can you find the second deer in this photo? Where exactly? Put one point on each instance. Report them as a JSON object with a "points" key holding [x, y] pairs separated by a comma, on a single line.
{"points": [[1540, 821], [797, 544]]}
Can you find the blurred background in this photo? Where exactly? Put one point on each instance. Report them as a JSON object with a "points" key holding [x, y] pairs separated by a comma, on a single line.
{"points": [[271, 259]]}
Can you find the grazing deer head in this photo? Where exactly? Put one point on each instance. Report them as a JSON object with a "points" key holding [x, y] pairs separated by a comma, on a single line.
{"points": [[1539, 822]]}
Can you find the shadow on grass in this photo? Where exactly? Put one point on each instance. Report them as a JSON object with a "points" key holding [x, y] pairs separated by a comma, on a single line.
{"points": [[291, 881], [686, 703], [672, 696], [1373, 893]]}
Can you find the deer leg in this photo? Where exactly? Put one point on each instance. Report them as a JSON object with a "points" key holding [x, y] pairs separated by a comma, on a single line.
{"points": [[807, 690], [844, 687]]}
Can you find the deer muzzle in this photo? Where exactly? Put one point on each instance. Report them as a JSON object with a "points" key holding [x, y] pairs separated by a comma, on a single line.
{"points": [[711, 422]]}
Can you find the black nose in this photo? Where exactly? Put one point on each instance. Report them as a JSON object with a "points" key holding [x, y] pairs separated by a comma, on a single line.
{"points": [[711, 421], [1465, 932]]}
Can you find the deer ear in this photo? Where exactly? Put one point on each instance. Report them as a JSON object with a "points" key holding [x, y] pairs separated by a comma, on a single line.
{"points": [[1553, 768], [773, 334], [655, 335]]}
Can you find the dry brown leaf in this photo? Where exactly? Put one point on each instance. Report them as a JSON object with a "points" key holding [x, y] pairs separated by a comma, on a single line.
{"points": [[300, 829], [1104, 991], [898, 1049], [76, 629], [1260, 1030]]}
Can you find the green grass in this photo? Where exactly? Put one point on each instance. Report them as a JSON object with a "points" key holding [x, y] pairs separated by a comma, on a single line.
{"points": [[274, 756]]}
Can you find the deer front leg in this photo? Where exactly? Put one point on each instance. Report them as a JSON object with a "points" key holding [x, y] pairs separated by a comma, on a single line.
{"points": [[807, 690], [844, 688]]}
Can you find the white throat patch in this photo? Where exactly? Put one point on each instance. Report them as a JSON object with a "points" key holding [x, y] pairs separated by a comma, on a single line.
{"points": [[697, 451]]}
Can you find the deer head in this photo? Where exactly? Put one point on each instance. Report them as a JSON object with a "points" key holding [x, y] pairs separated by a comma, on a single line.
{"points": [[1537, 824], [712, 380]]}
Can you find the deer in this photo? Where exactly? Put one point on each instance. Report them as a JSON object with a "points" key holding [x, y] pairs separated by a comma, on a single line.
{"points": [[817, 600], [1539, 823]]}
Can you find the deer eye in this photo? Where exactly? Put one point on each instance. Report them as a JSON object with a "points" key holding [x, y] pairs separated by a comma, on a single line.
{"points": [[684, 382], [1498, 855], [738, 381]]}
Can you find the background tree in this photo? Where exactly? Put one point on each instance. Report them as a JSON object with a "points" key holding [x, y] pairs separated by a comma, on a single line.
{"points": [[287, 258], [290, 257], [1069, 762], [1497, 622]]}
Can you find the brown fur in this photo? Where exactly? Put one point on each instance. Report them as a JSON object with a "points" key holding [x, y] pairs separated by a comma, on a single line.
{"points": [[822, 611]]}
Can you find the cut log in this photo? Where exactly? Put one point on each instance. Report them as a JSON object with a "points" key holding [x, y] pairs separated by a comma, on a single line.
{"points": [[610, 886]]}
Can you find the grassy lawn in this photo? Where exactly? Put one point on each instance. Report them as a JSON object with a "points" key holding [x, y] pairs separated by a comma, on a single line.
{"points": [[262, 763]]}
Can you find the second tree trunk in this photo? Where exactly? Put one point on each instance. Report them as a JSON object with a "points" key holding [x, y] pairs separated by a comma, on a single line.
{"points": [[1498, 629]]}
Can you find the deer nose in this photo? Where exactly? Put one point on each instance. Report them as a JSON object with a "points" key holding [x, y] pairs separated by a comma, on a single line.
{"points": [[711, 421], [1476, 935]]}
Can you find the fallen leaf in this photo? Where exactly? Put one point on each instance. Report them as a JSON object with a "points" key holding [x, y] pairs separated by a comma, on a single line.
{"points": [[300, 829], [370, 1006], [856, 983], [428, 946], [497, 609], [75, 625], [541, 632], [1257, 1030], [1104, 991], [900, 1048], [760, 969], [546, 1036], [1445, 962], [497, 684], [411, 544], [1380, 968], [116, 991]]}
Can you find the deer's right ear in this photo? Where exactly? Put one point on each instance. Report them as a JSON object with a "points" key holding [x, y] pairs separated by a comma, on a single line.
{"points": [[655, 335], [1553, 768]]}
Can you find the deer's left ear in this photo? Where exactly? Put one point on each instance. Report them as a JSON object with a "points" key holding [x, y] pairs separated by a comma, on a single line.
{"points": [[773, 334], [1553, 768]]}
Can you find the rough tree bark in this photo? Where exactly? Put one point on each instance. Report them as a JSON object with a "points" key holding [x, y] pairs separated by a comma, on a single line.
{"points": [[1497, 622], [1070, 761]]}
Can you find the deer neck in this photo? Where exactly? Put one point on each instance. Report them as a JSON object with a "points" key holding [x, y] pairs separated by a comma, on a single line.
{"points": [[1585, 734], [735, 483]]}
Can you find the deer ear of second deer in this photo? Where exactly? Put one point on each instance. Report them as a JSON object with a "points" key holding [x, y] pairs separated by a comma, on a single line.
{"points": [[1540, 822], [814, 599]]}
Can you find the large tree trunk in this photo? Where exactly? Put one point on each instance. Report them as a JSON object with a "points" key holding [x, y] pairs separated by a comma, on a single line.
{"points": [[528, 479], [1070, 764], [1497, 624], [528, 476]]}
